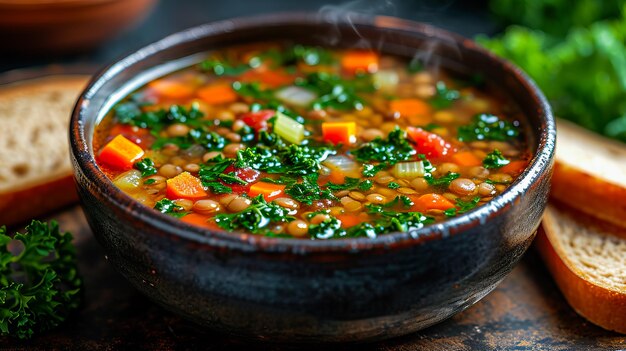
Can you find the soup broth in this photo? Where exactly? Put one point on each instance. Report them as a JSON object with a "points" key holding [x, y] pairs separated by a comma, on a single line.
{"points": [[296, 141]]}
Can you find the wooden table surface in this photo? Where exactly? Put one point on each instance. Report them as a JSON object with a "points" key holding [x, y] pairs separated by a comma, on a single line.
{"points": [[526, 312]]}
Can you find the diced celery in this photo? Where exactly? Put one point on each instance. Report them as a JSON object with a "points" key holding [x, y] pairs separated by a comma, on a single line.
{"points": [[128, 181], [386, 80], [409, 170], [288, 129]]}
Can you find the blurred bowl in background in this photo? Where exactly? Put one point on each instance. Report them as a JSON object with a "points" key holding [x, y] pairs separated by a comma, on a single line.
{"points": [[65, 26]]}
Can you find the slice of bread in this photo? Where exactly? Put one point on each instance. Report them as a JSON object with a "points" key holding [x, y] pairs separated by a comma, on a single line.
{"points": [[588, 263], [590, 173], [35, 170]]}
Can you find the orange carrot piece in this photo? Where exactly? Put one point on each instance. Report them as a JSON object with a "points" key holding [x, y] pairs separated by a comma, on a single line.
{"points": [[336, 176], [354, 61], [269, 78], [466, 159], [196, 219], [410, 107], [185, 186], [349, 220], [120, 153], [171, 89], [217, 94], [432, 202], [514, 167], [268, 190], [339, 132]]}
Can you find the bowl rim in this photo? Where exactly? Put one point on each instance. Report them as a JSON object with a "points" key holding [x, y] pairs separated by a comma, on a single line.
{"points": [[85, 161]]}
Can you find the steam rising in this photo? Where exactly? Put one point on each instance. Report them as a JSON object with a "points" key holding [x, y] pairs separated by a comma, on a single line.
{"points": [[346, 13]]}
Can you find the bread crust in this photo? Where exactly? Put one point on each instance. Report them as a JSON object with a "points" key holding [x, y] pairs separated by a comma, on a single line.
{"points": [[601, 306], [30, 203]]}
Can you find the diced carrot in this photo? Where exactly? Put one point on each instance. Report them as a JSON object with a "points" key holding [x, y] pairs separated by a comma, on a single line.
{"points": [[467, 159], [410, 107], [432, 202], [120, 153], [217, 94], [514, 167], [354, 61], [185, 186], [196, 219], [269, 77], [429, 144], [268, 190], [349, 220], [336, 176], [171, 89], [339, 132]]}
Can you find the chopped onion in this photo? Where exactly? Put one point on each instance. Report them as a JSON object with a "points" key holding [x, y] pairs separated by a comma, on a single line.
{"points": [[343, 164], [386, 80], [296, 96], [409, 169], [128, 181], [288, 129]]}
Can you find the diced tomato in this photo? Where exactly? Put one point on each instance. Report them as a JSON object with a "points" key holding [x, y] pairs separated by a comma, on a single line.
{"points": [[250, 175], [258, 120], [429, 144], [139, 136]]}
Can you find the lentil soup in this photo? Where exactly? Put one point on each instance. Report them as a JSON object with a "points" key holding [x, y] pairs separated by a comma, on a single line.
{"points": [[296, 141]]}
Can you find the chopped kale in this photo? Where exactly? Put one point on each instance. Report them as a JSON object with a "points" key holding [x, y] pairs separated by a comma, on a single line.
{"points": [[223, 67], [336, 92], [213, 177], [488, 127], [156, 120], [495, 159], [443, 181], [462, 207], [256, 218], [391, 150], [169, 207], [146, 167], [211, 141], [393, 185], [444, 97], [309, 190]]}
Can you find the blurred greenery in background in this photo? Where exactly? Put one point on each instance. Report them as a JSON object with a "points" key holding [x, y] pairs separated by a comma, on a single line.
{"points": [[575, 51]]}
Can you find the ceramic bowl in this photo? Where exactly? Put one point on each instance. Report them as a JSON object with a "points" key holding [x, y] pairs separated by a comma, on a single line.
{"points": [[291, 290]]}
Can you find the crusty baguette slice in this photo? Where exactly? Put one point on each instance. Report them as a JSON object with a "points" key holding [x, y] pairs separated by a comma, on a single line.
{"points": [[588, 264], [590, 173], [35, 170]]}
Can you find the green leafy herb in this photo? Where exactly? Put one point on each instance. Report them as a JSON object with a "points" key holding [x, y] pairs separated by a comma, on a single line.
{"points": [[445, 97], [223, 67], [169, 207], [284, 180], [150, 181], [211, 141], [328, 229], [415, 66], [495, 159], [336, 92], [212, 173], [370, 170], [256, 218], [462, 207], [365, 185], [39, 284], [393, 185], [309, 190], [146, 167], [310, 55], [488, 127], [129, 113], [443, 181], [391, 150]]}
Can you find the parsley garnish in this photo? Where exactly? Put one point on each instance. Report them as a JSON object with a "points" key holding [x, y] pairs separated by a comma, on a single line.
{"points": [[370, 170], [391, 150], [211, 141], [212, 172], [169, 207], [146, 167], [309, 190], [444, 97], [462, 207], [443, 181], [129, 113], [256, 218], [495, 159], [223, 67], [39, 280], [349, 184], [393, 185], [487, 127], [336, 92]]}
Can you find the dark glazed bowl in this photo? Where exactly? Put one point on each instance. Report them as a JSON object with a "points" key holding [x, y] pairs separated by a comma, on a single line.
{"points": [[292, 290]]}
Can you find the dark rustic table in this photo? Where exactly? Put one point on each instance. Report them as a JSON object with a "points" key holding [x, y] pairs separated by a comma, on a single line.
{"points": [[526, 312]]}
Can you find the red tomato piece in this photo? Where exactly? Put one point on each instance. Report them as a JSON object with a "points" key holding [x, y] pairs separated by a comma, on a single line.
{"points": [[429, 144], [250, 175], [258, 120]]}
